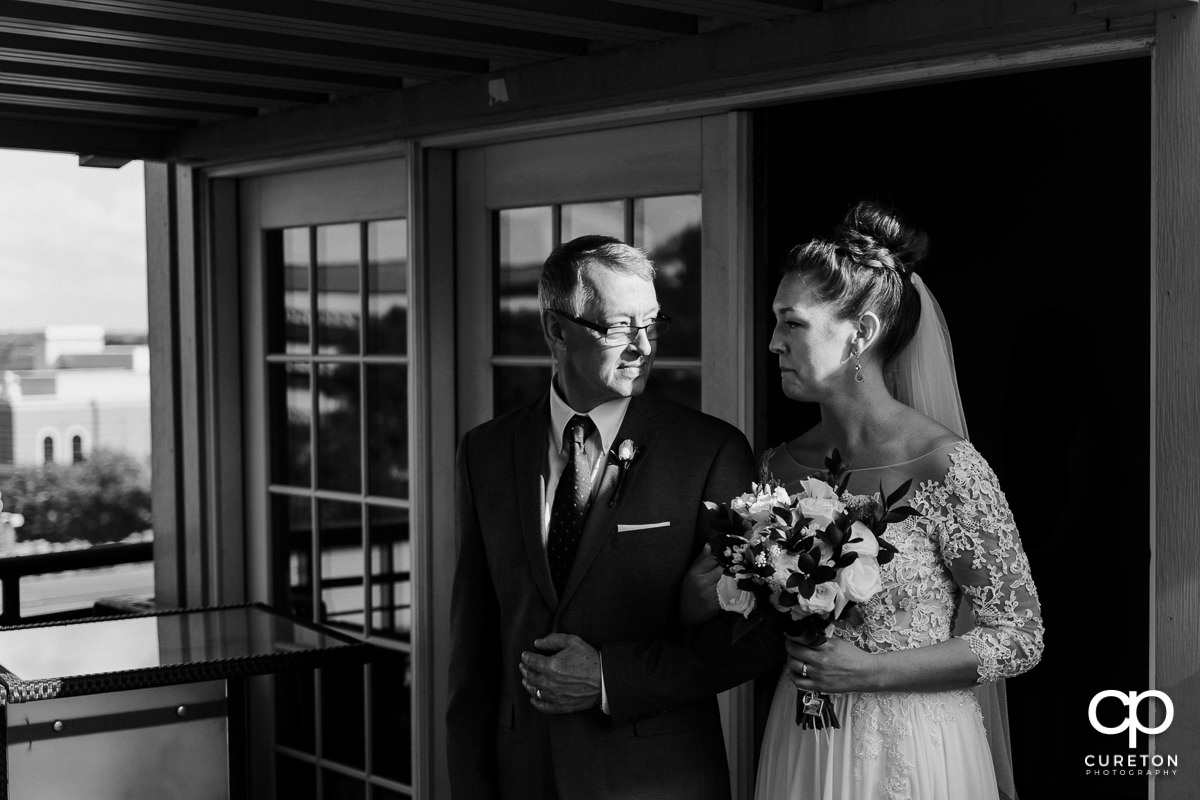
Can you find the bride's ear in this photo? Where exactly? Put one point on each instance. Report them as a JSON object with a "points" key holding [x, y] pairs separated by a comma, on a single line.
{"points": [[867, 331]]}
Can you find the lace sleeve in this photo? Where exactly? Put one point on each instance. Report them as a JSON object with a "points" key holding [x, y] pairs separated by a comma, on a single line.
{"points": [[979, 544]]}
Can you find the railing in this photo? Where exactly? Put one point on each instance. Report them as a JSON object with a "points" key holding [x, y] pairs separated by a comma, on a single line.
{"points": [[14, 568]]}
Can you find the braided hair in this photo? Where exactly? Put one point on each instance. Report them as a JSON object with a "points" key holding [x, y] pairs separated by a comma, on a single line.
{"points": [[866, 265]]}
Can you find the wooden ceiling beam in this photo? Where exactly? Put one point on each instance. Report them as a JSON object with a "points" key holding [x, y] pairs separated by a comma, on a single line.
{"points": [[98, 118], [595, 20], [743, 11], [117, 63], [128, 110], [220, 43], [33, 75], [319, 21]]}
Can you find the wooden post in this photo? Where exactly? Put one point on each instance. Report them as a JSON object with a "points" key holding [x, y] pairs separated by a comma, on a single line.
{"points": [[1176, 296]]}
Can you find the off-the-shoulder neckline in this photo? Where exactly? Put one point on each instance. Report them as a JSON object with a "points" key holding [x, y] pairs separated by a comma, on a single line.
{"points": [[792, 458]]}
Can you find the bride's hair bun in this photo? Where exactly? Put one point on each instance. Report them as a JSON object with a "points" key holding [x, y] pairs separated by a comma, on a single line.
{"points": [[866, 265], [879, 238]]}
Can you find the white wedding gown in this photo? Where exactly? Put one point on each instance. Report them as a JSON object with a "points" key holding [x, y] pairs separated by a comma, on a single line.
{"points": [[916, 745]]}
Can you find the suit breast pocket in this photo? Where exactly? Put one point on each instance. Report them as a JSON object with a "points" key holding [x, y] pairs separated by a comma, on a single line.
{"points": [[634, 534]]}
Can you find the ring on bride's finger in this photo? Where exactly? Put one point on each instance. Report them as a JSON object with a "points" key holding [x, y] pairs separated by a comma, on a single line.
{"points": [[804, 669], [538, 694]]}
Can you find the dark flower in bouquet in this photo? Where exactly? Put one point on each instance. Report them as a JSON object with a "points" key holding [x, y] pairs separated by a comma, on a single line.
{"points": [[803, 561]]}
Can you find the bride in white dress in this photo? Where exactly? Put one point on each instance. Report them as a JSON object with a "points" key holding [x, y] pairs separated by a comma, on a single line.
{"points": [[847, 311]]}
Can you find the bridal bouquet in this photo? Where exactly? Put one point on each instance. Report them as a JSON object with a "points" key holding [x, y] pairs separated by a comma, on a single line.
{"points": [[803, 561]]}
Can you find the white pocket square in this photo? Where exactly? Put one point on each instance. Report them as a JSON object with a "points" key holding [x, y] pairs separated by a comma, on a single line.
{"points": [[642, 526]]}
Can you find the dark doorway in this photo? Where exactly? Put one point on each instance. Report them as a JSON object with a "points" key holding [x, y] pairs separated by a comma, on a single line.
{"points": [[1034, 189]]}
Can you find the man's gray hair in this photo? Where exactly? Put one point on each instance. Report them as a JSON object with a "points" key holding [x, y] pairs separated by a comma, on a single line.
{"points": [[560, 287]]}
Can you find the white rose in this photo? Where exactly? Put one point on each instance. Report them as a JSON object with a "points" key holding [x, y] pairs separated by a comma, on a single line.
{"points": [[821, 510], [761, 509], [731, 598], [756, 507], [869, 546], [819, 489], [823, 600], [741, 502], [860, 580]]}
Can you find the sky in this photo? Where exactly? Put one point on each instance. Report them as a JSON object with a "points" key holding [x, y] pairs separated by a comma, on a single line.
{"points": [[72, 243]]}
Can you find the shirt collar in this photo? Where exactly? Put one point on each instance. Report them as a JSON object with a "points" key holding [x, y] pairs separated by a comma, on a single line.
{"points": [[607, 417]]}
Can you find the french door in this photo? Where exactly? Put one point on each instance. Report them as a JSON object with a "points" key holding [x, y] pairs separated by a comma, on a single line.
{"points": [[327, 359], [677, 189]]}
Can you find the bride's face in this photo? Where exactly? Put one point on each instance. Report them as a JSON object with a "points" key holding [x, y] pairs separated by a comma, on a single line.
{"points": [[814, 347]]}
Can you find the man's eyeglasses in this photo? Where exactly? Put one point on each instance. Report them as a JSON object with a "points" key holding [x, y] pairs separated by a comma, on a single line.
{"points": [[623, 334]]}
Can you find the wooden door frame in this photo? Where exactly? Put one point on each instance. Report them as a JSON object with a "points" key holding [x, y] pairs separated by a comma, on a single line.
{"points": [[708, 156]]}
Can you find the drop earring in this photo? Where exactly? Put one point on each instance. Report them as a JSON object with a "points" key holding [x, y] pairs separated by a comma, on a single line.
{"points": [[858, 373]]}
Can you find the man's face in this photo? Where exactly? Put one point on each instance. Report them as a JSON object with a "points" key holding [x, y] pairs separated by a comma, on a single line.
{"points": [[590, 372]]}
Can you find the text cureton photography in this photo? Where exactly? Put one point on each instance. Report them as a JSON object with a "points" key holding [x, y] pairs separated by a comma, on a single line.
{"points": [[1131, 763]]}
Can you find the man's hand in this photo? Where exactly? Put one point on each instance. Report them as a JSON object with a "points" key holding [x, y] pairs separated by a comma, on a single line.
{"points": [[567, 680], [698, 593]]}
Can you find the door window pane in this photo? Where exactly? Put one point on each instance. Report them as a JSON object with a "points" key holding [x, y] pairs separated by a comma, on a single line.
{"points": [[602, 219], [526, 237], [291, 420], [342, 787], [296, 256], [391, 716], [295, 710], [295, 779], [338, 434], [516, 386], [668, 229], [338, 300], [387, 286], [387, 429], [391, 573], [341, 541], [294, 546], [681, 384], [342, 722]]}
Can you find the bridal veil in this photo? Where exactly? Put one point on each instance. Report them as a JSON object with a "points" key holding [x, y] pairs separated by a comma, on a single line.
{"points": [[923, 377]]}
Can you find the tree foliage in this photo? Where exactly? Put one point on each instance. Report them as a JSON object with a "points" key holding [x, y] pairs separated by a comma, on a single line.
{"points": [[103, 499]]}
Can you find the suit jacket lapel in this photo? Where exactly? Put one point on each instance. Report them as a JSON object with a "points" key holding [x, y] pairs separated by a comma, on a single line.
{"points": [[529, 461], [600, 523]]}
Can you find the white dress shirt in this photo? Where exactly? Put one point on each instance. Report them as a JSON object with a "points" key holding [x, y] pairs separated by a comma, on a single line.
{"points": [[607, 417]]}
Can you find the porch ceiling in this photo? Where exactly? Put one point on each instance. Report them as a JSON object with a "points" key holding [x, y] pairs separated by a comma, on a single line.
{"points": [[112, 79]]}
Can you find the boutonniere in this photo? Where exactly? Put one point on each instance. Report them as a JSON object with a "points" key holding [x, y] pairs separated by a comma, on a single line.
{"points": [[625, 453]]}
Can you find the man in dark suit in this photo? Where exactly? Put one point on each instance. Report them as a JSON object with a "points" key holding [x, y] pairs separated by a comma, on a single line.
{"points": [[572, 675]]}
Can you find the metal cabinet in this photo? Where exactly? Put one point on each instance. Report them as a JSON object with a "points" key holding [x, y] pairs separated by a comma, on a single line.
{"points": [[146, 706]]}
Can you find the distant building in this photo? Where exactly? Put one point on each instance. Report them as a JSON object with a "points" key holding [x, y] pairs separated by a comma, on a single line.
{"points": [[65, 391]]}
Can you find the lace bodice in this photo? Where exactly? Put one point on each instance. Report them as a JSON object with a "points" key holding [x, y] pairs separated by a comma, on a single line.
{"points": [[963, 541]]}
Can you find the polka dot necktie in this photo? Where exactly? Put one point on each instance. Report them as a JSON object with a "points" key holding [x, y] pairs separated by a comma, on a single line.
{"points": [[571, 500]]}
